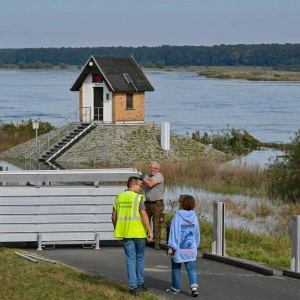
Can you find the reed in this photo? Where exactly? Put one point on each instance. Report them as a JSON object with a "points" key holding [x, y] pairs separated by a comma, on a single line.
{"points": [[213, 175], [13, 134]]}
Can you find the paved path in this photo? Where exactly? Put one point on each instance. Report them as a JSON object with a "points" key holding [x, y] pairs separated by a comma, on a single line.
{"points": [[217, 281]]}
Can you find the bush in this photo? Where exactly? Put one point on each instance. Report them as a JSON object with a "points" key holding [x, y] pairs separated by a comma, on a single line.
{"points": [[13, 134], [284, 173], [230, 140]]}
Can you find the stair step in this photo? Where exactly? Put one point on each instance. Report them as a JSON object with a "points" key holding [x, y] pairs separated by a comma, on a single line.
{"points": [[67, 139]]}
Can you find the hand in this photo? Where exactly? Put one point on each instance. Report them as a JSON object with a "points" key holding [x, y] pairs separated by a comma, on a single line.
{"points": [[170, 251], [149, 236]]}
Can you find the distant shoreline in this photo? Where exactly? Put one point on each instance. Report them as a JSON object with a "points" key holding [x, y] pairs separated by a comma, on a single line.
{"points": [[224, 72]]}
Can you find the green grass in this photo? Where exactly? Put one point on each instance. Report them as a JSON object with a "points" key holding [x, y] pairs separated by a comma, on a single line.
{"points": [[22, 279], [241, 243]]}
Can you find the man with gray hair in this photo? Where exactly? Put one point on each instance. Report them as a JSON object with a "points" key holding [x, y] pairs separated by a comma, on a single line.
{"points": [[154, 192]]}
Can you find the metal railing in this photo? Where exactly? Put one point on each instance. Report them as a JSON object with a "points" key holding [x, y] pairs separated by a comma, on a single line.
{"points": [[98, 113], [45, 141]]}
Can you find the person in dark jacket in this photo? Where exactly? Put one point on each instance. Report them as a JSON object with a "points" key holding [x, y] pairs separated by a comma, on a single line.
{"points": [[184, 239]]}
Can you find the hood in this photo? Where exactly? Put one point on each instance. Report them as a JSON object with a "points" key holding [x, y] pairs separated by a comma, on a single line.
{"points": [[187, 215]]}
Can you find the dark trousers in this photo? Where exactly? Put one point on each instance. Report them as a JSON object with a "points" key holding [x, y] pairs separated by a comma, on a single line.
{"points": [[153, 211]]}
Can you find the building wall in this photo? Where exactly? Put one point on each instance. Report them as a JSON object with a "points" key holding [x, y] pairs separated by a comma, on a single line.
{"points": [[81, 110], [88, 98], [121, 114]]}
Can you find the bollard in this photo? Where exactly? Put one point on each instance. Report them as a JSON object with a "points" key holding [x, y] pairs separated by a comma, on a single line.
{"points": [[39, 242], [218, 245], [295, 261]]}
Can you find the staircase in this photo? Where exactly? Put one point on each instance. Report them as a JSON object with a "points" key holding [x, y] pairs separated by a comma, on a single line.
{"points": [[55, 150]]}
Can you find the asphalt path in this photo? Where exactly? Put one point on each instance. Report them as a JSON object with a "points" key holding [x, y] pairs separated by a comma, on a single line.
{"points": [[217, 281]]}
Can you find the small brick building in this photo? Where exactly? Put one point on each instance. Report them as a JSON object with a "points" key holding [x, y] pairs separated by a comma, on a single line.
{"points": [[112, 90]]}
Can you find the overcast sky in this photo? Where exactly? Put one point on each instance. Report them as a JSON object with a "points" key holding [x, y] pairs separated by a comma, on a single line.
{"points": [[94, 23]]}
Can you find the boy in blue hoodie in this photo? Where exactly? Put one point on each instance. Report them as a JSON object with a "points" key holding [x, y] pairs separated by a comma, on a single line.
{"points": [[183, 243]]}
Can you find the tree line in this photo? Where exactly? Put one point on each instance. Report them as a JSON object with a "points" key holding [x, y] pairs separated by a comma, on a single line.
{"points": [[269, 55]]}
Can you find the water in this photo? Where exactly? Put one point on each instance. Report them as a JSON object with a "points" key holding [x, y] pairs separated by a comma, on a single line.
{"points": [[244, 204], [267, 110]]}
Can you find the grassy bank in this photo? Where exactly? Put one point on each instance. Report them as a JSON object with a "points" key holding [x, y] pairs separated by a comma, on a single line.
{"points": [[240, 243], [274, 250], [22, 279], [249, 73]]}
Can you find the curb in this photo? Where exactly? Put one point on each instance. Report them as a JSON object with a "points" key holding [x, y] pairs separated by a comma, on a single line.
{"points": [[240, 264], [243, 264], [291, 274], [233, 262]]}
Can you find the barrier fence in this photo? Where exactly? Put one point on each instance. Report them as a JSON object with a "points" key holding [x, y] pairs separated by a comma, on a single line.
{"points": [[74, 207]]}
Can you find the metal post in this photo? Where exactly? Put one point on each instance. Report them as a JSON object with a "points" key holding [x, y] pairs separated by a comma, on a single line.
{"points": [[218, 245], [295, 261], [35, 125], [97, 238], [36, 140], [39, 242], [165, 136]]}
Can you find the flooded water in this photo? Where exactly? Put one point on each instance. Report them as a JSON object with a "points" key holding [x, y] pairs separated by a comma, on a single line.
{"points": [[240, 211]]}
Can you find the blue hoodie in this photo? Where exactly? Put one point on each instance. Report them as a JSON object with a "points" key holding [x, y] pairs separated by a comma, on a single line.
{"points": [[184, 236]]}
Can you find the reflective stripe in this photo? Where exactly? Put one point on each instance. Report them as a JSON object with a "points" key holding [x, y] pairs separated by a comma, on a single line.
{"points": [[134, 217]]}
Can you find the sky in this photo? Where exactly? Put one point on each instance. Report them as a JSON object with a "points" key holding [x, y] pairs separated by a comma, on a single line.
{"points": [[97, 23]]}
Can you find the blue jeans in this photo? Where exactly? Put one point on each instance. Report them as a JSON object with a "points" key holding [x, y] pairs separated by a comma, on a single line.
{"points": [[190, 267], [134, 252]]}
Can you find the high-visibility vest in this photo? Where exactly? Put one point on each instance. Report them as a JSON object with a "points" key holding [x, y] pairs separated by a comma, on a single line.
{"points": [[129, 223]]}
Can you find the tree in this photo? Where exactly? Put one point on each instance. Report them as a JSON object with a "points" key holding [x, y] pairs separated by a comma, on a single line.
{"points": [[148, 64], [284, 173], [160, 64]]}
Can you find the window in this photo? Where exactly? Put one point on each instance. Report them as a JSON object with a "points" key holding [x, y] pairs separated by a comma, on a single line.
{"points": [[97, 78], [128, 78], [129, 101]]}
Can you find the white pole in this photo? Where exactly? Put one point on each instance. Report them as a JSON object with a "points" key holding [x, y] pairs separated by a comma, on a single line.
{"points": [[218, 245], [165, 136], [36, 140], [295, 261]]}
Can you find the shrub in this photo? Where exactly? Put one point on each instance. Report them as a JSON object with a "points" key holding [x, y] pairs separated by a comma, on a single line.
{"points": [[13, 134], [284, 173], [230, 140]]}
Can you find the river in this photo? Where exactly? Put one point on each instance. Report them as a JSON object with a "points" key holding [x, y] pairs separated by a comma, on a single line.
{"points": [[267, 110]]}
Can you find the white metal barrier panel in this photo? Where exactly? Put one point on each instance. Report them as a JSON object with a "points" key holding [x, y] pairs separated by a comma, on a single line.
{"points": [[61, 214]]}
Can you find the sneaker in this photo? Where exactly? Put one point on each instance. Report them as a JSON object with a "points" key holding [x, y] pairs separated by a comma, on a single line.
{"points": [[134, 292], [171, 291], [194, 292], [156, 246], [142, 287]]}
